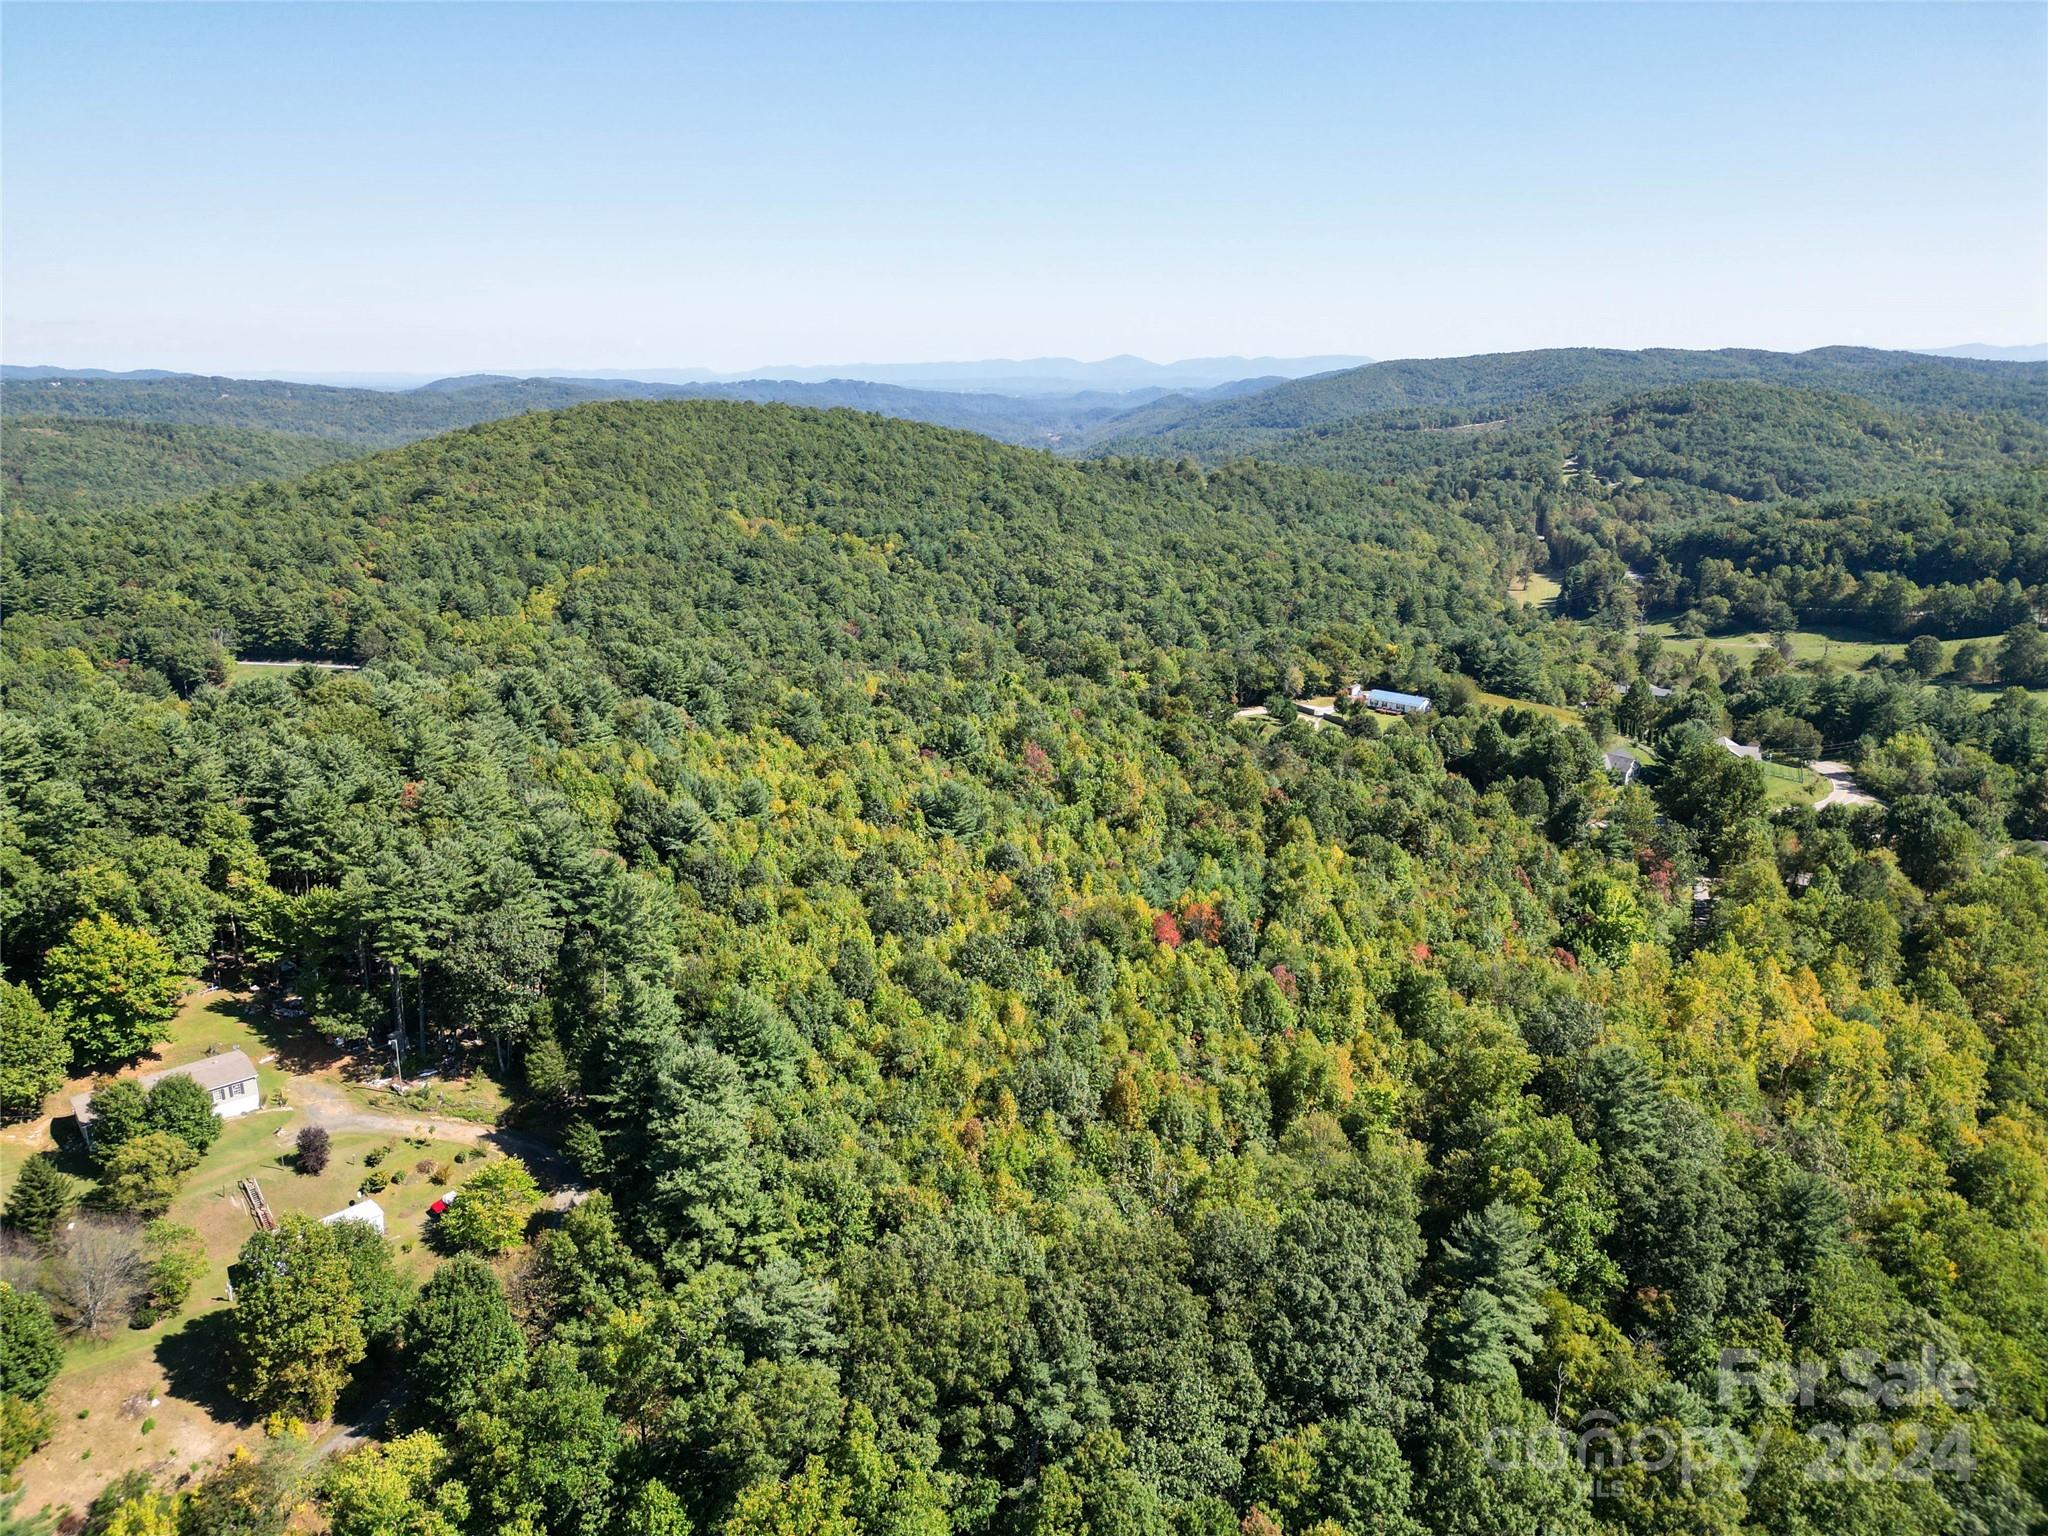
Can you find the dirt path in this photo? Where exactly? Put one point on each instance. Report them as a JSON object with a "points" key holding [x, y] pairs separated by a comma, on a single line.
{"points": [[324, 1102]]}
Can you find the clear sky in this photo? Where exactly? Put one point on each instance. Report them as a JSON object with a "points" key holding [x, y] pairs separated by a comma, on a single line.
{"points": [[409, 187]]}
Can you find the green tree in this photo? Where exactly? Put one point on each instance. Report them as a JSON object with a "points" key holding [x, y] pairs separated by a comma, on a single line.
{"points": [[382, 1293], [809, 1503], [403, 1487], [246, 1495], [120, 1113], [491, 1209], [43, 1197], [543, 1450], [25, 1427], [1923, 655], [33, 1053], [1494, 1291], [179, 1106], [2023, 655], [297, 1322], [30, 1351], [145, 1174], [1714, 793], [1489, 1461], [114, 987], [459, 1337], [176, 1259]]}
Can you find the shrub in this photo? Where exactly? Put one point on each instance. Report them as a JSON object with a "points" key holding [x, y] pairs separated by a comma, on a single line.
{"points": [[315, 1146]]}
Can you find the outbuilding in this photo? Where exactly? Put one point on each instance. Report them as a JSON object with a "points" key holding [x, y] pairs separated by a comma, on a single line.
{"points": [[1388, 702], [368, 1212]]}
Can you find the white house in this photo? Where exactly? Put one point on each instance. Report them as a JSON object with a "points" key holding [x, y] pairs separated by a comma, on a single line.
{"points": [[368, 1212], [1388, 702], [1623, 765], [1731, 745], [229, 1079]]}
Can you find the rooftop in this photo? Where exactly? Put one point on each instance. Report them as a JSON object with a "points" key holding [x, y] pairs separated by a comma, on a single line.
{"points": [[209, 1072]]}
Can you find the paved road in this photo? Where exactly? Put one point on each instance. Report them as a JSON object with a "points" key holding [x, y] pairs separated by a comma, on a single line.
{"points": [[1842, 787]]}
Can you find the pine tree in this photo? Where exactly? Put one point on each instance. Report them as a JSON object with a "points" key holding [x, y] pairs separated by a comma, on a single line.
{"points": [[43, 1198], [1490, 1271]]}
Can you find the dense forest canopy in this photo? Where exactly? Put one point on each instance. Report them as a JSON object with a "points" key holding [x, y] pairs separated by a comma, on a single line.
{"points": [[57, 464], [1509, 387], [1019, 1089]]}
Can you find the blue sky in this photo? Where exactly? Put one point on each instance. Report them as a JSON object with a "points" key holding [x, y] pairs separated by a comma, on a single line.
{"points": [[412, 187]]}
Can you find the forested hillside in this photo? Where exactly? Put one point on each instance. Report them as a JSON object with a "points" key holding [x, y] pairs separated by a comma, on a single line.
{"points": [[1294, 421], [55, 464], [384, 418], [1016, 1090]]}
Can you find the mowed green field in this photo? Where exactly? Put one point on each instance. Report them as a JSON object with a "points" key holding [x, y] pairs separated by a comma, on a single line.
{"points": [[1535, 590], [1846, 648]]}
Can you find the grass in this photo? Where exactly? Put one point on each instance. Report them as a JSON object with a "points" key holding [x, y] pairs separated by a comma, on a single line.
{"points": [[1556, 712], [1836, 645], [1535, 590], [241, 671], [1785, 785], [476, 1099]]}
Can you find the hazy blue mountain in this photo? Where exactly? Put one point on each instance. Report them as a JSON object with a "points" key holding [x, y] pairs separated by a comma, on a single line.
{"points": [[51, 371], [1010, 376], [385, 418], [1983, 352]]}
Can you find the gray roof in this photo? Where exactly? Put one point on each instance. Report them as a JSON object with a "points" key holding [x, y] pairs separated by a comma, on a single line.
{"points": [[1620, 759], [209, 1072], [1390, 696]]}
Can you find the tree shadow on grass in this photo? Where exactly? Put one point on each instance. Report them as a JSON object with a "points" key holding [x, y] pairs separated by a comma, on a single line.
{"points": [[195, 1364]]}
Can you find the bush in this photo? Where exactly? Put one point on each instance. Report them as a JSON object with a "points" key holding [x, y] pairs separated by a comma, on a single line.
{"points": [[315, 1146], [373, 1182]]}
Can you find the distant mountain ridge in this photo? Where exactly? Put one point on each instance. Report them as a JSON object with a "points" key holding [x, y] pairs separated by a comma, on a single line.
{"points": [[1002, 376], [386, 418], [1294, 420], [1985, 353]]}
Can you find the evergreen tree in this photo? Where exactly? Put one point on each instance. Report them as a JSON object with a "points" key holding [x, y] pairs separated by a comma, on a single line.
{"points": [[1493, 1289], [42, 1199], [30, 1351]]}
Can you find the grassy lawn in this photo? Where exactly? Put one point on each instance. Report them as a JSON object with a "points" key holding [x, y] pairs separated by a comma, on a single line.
{"points": [[1556, 712], [177, 1362], [1842, 647], [241, 671], [1535, 590], [1785, 785], [476, 1099]]}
